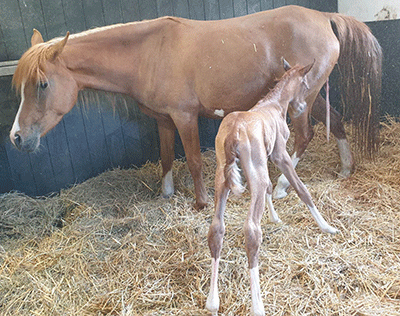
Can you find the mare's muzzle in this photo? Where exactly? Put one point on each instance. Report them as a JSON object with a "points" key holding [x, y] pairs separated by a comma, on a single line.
{"points": [[27, 144]]}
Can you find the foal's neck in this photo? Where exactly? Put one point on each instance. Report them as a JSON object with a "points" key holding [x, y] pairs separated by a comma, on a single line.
{"points": [[279, 97]]}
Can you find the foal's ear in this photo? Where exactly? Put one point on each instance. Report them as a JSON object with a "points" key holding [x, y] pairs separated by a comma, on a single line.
{"points": [[36, 37], [58, 47], [306, 69], [286, 65]]}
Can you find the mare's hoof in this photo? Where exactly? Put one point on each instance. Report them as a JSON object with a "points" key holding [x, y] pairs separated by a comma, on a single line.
{"points": [[200, 205], [344, 173], [167, 196]]}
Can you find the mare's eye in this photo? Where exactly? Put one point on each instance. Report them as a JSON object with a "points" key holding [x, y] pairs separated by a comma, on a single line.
{"points": [[43, 84]]}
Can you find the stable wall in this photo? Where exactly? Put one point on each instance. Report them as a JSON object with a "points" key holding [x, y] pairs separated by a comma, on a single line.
{"points": [[370, 10]]}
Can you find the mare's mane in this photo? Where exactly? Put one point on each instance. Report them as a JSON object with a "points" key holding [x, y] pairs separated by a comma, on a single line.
{"points": [[30, 66]]}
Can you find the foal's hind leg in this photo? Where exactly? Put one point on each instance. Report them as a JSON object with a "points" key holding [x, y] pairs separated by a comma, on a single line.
{"points": [[253, 238], [256, 172], [337, 128], [215, 238]]}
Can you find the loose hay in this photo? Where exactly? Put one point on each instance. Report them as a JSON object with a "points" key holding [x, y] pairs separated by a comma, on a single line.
{"points": [[112, 246]]}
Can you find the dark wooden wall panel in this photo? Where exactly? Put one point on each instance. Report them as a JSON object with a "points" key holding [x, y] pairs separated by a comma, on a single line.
{"points": [[387, 32], [12, 29], [92, 137]]}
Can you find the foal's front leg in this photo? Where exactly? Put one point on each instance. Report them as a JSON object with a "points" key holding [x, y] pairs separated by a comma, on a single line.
{"points": [[304, 133], [281, 158]]}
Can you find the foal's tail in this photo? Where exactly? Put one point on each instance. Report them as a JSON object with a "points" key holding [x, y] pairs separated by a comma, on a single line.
{"points": [[233, 179], [360, 68]]}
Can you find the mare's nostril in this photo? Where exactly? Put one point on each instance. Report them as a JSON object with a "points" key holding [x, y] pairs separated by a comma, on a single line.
{"points": [[17, 141]]}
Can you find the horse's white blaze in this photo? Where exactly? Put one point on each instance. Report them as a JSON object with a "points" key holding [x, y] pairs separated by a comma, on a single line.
{"points": [[219, 113], [167, 185], [16, 128], [323, 225], [212, 303], [283, 183], [273, 216], [345, 157], [257, 307]]}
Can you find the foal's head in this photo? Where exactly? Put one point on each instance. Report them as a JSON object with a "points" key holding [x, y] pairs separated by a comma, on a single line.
{"points": [[297, 86], [47, 91]]}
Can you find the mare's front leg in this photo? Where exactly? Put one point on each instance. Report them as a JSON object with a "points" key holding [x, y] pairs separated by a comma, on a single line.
{"points": [[303, 135], [215, 238], [187, 125], [282, 159], [337, 128], [166, 130]]}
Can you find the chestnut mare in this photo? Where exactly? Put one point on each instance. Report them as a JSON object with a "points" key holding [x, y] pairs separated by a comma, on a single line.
{"points": [[178, 69], [251, 137]]}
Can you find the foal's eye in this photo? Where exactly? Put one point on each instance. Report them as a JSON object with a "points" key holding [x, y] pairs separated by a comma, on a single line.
{"points": [[43, 84]]}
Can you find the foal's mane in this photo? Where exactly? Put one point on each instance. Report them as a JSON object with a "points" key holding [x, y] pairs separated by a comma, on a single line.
{"points": [[279, 83]]}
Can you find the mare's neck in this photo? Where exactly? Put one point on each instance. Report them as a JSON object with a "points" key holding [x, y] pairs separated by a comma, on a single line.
{"points": [[111, 58]]}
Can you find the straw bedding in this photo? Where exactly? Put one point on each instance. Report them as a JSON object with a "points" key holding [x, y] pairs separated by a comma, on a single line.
{"points": [[112, 246]]}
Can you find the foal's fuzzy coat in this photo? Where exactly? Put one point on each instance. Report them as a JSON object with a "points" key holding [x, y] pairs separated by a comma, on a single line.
{"points": [[252, 137]]}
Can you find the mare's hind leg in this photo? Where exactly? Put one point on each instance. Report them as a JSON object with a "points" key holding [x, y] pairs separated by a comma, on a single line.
{"points": [[187, 125], [346, 156], [215, 237], [281, 158], [166, 130], [303, 135]]}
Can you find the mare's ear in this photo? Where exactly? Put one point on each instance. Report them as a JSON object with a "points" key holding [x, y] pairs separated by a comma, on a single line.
{"points": [[36, 37], [306, 69], [58, 47], [286, 65]]}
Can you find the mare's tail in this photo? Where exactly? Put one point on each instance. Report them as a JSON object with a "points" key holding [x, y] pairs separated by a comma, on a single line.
{"points": [[233, 179], [360, 68]]}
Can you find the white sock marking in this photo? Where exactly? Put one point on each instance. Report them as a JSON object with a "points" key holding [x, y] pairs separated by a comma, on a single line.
{"points": [[257, 307], [273, 216], [167, 185], [212, 303], [323, 225], [346, 157]]}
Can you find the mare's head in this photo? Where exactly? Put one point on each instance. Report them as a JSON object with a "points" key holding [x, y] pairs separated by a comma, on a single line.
{"points": [[298, 86], [47, 91]]}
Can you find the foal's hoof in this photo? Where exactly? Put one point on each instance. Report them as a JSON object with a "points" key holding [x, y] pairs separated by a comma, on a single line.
{"points": [[279, 193], [331, 230]]}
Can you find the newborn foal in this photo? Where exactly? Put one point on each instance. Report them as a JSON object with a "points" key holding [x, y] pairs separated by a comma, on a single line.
{"points": [[252, 137]]}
